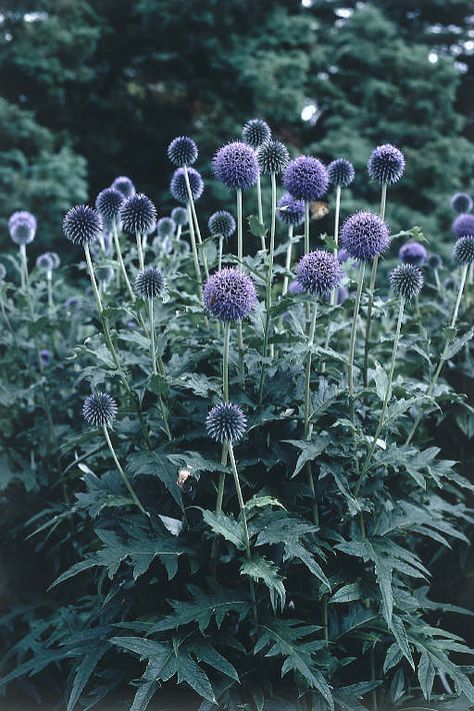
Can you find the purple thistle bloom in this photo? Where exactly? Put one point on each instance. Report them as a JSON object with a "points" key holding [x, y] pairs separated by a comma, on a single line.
{"points": [[341, 173], [461, 202], [235, 165], [318, 273], [256, 132], [463, 225], [463, 251], [165, 227], [406, 280], [306, 178], [365, 236], [82, 225], [272, 157], [22, 227], [290, 211], [222, 223], [413, 253], [45, 262], [180, 216], [108, 203], [149, 283], [178, 185], [182, 151], [295, 288], [226, 423], [124, 185], [229, 294], [99, 410], [138, 215], [386, 164], [55, 259], [342, 255]]}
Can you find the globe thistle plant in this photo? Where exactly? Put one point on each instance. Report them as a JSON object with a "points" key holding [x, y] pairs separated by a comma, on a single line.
{"points": [[82, 225], [124, 185], [230, 295], [226, 423], [340, 173], [272, 157], [222, 225], [138, 217], [386, 164], [319, 273], [55, 259], [182, 151], [108, 203], [256, 132], [187, 186], [461, 202], [180, 217], [365, 236], [413, 253], [290, 212], [44, 262], [463, 225], [406, 280], [165, 227], [149, 283], [463, 252], [22, 228]]}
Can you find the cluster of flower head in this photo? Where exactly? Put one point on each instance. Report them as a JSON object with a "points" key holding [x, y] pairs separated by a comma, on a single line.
{"points": [[235, 165], [413, 253], [229, 294], [386, 164], [226, 423], [406, 280], [178, 187], [149, 283], [138, 215], [365, 236], [82, 225], [22, 227], [306, 178], [222, 223], [99, 409], [318, 273]]}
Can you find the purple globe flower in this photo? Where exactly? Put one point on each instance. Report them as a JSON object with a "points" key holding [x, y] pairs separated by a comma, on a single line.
{"points": [[124, 185], [222, 223], [272, 157], [180, 216], [22, 227], [342, 255], [235, 165], [82, 225], [44, 262], [341, 173], [138, 215], [290, 211], [365, 236], [463, 225], [165, 227], [306, 178], [406, 280], [295, 288], [226, 423], [182, 151], [413, 253], [229, 294], [319, 273], [461, 202], [256, 132], [108, 204], [386, 164], [99, 410], [55, 258], [463, 251], [178, 185], [149, 283]]}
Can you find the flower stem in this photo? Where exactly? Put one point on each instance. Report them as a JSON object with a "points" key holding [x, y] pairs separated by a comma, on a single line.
{"points": [[194, 218], [268, 293], [240, 228], [289, 253], [219, 259], [225, 362], [141, 258], [350, 367], [260, 211], [135, 498], [192, 235], [307, 404], [121, 262], [306, 245], [336, 240], [24, 267]]}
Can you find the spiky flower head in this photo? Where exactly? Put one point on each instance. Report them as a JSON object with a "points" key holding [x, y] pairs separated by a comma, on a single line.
{"points": [[318, 273], [461, 202], [222, 223], [82, 225], [182, 151], [44, 262], [104, 274], [463, 251], [341, 173], [413, 253], [3, 272], [178, 187], [226, 423], [272, 157], [256, 132], [22, 227], [364, 235], [435, 261], [149, 283], [342, 255], [290, 211], [386, 164], [180, 216], [165, 227], [108, 203], [229, 294], [306, 178], [138, 215], [463, 225], [406, 280], [124, 185], [99, 409], [235, 165], [55, 259]]}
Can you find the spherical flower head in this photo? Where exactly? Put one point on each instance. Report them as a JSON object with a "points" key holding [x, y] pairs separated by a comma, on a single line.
{"points": [[435, 261], [222, 223], [273, 157], [235, 165], [124, 185], [290, 211], [55, 259], [386, 164], [319, 273], [461, 202], [178, 187], [165, 227], [295, 288], [413, 253], [463, 225], [99, 409], [463, 251], [229, 294], [256, 132], [182, 151], [364, 235], [340, 173], [342, 255], [180, 216], [406, 280], [45, 356], [306, 178], [226, 423], [108, 203], [138, 215], [149, 283], [44, 262], [3, 272], [82, 225], [104, 274], [22, 227]]}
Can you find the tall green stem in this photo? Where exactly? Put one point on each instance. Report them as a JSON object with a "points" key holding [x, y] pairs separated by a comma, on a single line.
{"points": [[24, 266], [268, 294], [306, 227], [192, 236], [219, 259], [350, 367], [135, 498], [154, 360], [225, 362], [289, 253], [141, 257], [307, 404], [240, 227], [260, 211], [121, 262], [225, 393], [195, 218], [336, 242]]}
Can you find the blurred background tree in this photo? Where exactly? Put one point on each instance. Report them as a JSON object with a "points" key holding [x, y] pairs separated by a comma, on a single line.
{"points": [[96, 88]]}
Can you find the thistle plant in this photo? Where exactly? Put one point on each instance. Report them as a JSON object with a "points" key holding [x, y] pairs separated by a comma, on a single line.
{"points": [[291, 213], [185, 183], [22, 228], [124, 185], [256, 133], [461, 202], [179, 215], [413, 253], [138, 219], [108, 204], [340, 174], [221, 225], [463, 225], [306, 178]]}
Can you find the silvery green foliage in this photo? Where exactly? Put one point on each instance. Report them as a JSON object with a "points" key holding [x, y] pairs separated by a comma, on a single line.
{"points": [[167, 599]]}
